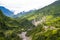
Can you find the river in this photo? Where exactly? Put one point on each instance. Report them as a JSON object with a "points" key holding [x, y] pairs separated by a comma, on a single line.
{"points": [[23, 36]]}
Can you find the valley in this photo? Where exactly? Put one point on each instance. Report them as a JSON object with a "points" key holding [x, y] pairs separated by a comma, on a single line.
{"points": [[41, 24]]}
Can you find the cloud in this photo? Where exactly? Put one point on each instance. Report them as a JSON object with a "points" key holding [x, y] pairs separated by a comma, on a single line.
{"points": [[24, 5]]}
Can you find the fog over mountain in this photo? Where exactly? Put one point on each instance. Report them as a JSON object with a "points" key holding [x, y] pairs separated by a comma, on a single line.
{"points": [[24, 5]]}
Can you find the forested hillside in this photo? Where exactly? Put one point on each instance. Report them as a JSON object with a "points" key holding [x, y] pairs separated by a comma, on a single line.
{"points": [[50, 28], [10, 27], [41, 24]]}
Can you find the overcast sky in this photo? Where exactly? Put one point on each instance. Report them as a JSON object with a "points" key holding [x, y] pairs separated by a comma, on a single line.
{"points": [[24, 5]]}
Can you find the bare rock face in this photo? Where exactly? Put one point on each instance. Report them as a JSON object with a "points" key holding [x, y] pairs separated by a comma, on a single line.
{"points": [[36, 23]]}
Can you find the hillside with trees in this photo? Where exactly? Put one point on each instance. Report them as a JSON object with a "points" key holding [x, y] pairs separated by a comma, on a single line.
{"points": [[50, 28], [41, 24]]}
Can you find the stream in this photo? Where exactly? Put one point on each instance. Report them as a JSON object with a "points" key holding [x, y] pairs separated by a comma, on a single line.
{"points": [[23, 36]]}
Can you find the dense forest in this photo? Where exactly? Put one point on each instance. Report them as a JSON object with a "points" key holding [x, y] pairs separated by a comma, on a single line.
{"points": [[50, 28], [8, 28], [41, 24]]}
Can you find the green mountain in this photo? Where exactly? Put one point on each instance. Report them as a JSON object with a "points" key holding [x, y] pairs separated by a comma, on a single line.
{"points": [[6, 11], [8, 28], [41, 24], [10, 22], [52, 9], [49, 29], [50, 12]]}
